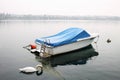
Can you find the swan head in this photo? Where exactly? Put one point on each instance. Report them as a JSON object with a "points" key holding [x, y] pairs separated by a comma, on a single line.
{"points": [[39, 67]]}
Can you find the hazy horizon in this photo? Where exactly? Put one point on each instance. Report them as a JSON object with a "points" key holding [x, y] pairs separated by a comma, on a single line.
{"points": [[61, 7]]}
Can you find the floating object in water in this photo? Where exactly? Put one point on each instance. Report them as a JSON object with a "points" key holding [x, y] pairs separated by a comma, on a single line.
{"points": [[68, 40], [108, 40], [31, 69], [33, 46], [30, 47]]}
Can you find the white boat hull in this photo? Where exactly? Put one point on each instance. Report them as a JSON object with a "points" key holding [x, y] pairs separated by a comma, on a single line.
{"points": [[70, 47]]}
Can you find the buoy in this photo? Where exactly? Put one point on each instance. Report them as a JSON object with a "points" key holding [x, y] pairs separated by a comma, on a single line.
{"points": [[33, 46], [108, 40]]}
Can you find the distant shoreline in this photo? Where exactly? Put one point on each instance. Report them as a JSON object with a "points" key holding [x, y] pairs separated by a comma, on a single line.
{"points": [[54, 17]]}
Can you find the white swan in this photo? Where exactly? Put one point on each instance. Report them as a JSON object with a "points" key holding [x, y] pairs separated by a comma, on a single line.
{"points": [[31, 69]]}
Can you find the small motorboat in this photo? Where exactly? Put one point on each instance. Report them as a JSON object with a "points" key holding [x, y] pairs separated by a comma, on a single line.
{"points": [[68, 40]]}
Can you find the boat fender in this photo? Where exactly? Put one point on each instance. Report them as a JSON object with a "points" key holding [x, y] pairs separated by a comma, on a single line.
{"points": [[33, 46]]}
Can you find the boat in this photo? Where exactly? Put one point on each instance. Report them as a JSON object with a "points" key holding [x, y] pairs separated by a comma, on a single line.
{"points": [[68, 40]]}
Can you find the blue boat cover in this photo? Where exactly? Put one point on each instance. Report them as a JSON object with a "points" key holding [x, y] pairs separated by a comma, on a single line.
{"points": [[65, 37]]}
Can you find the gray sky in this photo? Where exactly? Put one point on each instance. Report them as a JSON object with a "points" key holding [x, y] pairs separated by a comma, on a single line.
{"points": [[61, 7]]}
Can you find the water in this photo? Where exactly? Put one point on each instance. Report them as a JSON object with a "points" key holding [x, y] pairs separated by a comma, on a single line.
{"points": [[96, 62]]}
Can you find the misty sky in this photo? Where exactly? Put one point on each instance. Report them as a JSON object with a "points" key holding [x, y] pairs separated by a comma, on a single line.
{"points": [[61, 7]]}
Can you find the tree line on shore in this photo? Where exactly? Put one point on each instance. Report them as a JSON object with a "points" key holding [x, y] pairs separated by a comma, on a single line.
{"points": [[4, 16]]}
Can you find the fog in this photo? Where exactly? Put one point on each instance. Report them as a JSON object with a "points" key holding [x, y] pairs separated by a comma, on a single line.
{"points": [[61, 7]]}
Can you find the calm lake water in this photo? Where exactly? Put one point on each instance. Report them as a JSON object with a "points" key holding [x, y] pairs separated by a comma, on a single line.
{"points": [[96, 62]]}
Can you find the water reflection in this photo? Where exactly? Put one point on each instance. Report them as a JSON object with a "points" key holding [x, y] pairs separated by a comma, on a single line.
{"points": [[38, 73], [78, 57]]}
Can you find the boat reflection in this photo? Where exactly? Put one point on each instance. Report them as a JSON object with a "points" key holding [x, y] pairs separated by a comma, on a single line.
{"points": [[78, 57]]}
